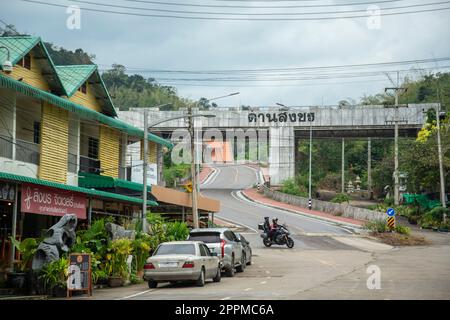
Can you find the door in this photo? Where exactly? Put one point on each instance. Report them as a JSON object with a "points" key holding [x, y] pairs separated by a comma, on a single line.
{"points": [[205, 254]]}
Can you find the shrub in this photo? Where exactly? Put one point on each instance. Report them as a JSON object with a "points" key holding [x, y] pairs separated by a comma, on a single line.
{"points": [[434, 217], [27, 248], [116, 258], [177, 231], [402, 229], [55, 273], [376, 226], [341, 197], [289, 186], [389, 201], [141, 250]]}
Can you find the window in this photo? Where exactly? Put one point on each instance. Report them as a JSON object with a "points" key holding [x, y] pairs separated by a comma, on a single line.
{"points": [[172, 248], [25, 62], [203, 252], [206, 237], [37, 132], [93, 148], [83, 88]]}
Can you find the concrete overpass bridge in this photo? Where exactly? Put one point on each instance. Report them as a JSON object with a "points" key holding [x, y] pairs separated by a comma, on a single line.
{"points": [[284, 127]]}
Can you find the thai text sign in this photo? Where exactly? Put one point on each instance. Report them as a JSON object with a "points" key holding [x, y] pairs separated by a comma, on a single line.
{"points": [[50, 201]]}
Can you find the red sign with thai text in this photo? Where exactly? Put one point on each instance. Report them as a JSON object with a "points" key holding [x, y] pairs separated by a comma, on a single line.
{"points": [[51, 201]]}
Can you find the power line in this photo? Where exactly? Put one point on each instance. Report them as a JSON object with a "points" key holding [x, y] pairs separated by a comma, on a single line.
{"points": [[254, 14], [236, 19]]}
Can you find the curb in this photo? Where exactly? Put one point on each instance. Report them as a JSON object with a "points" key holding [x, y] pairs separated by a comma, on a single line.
{"points": [[339, 223], [209, 175]]}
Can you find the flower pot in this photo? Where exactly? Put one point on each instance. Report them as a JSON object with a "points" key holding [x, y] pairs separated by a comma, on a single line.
{"points": [[18, 281], [115, 282], [140, 274]]}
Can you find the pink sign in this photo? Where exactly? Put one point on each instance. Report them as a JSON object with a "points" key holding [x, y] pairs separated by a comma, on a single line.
{"points": [[51, 201]]}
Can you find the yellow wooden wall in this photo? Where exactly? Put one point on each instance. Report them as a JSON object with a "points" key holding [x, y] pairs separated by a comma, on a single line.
{"points": [[54, 143], [32, 77], [152, 151], [87, 99], [109, 153]]}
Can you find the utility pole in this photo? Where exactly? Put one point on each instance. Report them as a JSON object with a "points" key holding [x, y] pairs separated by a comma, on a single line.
{"points": [[193, 170], [396, 120], [441, 166], [145, 165], [310, 161], [343, 167], [369, 168]]}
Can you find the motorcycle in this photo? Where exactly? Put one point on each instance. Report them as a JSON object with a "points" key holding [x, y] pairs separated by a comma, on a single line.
{"points": [[281, 237]]}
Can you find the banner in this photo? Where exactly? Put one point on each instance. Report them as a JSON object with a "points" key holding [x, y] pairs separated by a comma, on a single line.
{"points": [[50, 201]]}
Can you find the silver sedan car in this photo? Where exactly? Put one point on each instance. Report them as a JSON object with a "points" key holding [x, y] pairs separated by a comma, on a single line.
{"points": [[182, 261]]}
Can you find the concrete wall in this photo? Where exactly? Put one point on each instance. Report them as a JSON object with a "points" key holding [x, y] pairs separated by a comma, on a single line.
{"points": [[343, 210]]}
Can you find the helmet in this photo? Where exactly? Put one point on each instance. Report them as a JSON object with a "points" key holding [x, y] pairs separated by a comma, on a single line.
{"points": [[275, 219], [266, 218]]}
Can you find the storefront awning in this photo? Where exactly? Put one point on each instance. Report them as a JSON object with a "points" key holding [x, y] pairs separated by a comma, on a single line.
{"points": [[90, 192], [96, 181], [183, 199]]}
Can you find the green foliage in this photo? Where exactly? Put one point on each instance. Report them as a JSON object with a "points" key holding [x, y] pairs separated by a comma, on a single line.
{"points": [[290, 186], [55, 273], [27, 248], [402, 229], [61, 56], [376, 226], [177, 231], [172, 173], [141, 250], [116, 258], [434, 217], [135, 91], [341, 197]]}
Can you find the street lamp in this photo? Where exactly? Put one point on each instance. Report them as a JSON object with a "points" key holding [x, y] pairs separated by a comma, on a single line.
{"points": [[310, 157], [7, 64]]}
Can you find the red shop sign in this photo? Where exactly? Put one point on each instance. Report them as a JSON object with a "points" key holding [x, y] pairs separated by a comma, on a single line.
{"points": [[51, 201]]}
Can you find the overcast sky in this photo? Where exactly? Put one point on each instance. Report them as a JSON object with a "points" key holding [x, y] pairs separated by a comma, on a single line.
{"points": [[177, 44]]}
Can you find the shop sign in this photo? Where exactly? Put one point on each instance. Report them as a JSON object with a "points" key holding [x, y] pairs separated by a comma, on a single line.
{"points": [[50, 201], [7, 191]]}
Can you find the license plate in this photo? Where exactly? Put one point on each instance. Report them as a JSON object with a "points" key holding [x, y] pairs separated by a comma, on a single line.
{"points": [[168, 264]]}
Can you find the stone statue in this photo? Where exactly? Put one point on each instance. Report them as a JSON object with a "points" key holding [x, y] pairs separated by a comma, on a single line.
{"points": [[60, 238], [118, 232]]}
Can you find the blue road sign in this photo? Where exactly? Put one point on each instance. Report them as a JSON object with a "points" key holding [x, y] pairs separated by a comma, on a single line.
{"points": [[390, 212]]}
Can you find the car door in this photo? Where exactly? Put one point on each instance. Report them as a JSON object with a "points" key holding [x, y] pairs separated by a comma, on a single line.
{"points": [[205, 260], [212, 262], [237, 246]]}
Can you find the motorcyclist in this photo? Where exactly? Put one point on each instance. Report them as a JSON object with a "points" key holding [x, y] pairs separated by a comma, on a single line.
{"points": [[273, 229], [266, 224]]}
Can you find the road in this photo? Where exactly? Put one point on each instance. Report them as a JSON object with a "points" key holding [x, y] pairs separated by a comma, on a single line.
{"points": [[327, 262]]}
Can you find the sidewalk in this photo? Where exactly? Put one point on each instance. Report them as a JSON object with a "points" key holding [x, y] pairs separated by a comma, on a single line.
{"points": [[253, 195], [205, 172]]}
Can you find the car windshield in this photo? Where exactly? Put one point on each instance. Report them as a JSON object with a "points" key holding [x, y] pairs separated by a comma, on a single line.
{"points": [[165, 249], [206, 237]]}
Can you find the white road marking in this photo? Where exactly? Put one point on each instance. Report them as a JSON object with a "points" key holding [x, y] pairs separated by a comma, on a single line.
{"points": [[226, 298], [135, 295], [237, 223], [263, 282], [267, 271], [212, 177], [248, 289]]}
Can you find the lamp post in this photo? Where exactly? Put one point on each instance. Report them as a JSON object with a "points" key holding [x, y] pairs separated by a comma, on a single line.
{"points": [[310, 158]]}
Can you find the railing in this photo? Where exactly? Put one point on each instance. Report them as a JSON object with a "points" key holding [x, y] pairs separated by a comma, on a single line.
{"points": [[6, 147], [27, 151]]}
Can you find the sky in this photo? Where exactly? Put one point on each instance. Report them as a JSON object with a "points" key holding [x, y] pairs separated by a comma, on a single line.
{"points": [[163, 43]]}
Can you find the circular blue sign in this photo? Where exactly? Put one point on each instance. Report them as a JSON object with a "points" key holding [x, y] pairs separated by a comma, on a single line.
{"points": [[390, 212]]}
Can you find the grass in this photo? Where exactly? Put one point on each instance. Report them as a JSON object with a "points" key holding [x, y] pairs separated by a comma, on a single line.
{"points": [[400, 236]]}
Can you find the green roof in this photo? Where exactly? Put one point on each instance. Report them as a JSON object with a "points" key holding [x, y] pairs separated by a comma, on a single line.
{"points": [[73, 76], [83, 112], [89, 180], [90, 192], [19, 46]]}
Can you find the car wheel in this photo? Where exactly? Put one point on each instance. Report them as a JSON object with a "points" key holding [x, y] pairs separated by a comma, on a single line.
{"points": [[152, 284], [201, 280], [230, 272], [218, 276], [241, 267]]}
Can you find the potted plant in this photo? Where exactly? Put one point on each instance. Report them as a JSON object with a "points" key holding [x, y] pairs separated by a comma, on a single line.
{"points": [[27, 248], [116, 261], [54, 276], [141, 251]]}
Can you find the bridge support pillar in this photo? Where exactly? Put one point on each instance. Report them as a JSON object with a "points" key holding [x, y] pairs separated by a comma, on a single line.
{"points": [[281, 154]]}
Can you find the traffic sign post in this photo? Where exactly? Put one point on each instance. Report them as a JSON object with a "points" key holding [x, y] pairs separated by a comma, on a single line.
{"points": [[391, 218]]}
